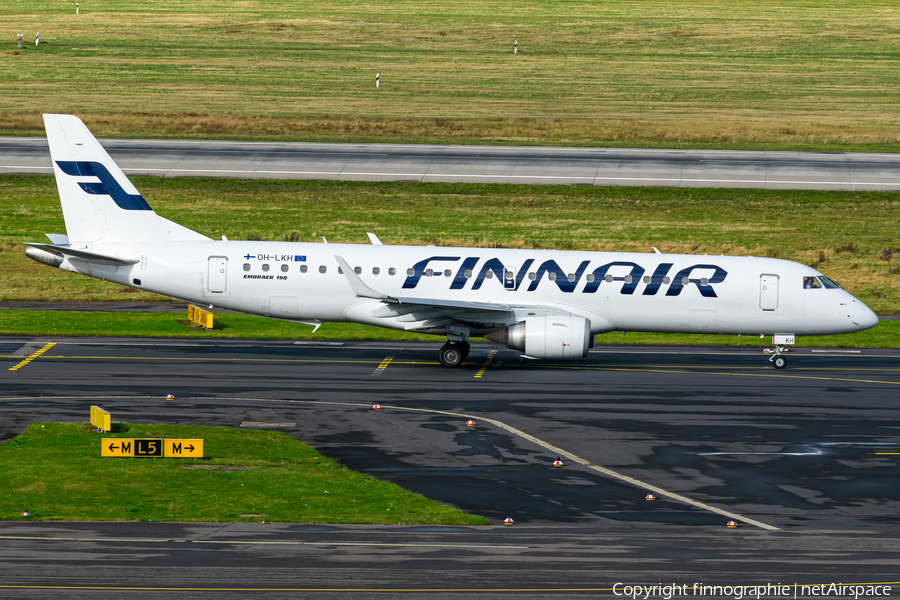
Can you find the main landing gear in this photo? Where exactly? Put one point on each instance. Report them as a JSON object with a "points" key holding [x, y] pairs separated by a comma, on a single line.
{"points": [[453, 353]]}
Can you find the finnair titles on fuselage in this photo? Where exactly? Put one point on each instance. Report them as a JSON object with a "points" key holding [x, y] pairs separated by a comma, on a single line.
{"points": [[545, 303]]}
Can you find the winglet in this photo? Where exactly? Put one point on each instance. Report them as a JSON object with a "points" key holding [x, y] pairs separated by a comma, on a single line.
{"points": [[359, 288], [374, 239]]}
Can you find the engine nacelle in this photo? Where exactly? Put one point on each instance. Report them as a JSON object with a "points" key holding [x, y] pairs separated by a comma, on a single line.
{"points": [[42, 256], [562, 336]]}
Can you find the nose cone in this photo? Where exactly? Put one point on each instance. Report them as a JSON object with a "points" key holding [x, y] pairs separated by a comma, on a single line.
{"points": [[863, 317]]}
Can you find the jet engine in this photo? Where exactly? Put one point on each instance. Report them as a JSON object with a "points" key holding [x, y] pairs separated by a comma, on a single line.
{"points": [[557, 336]]}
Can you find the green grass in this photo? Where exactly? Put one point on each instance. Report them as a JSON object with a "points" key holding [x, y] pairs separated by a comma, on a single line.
{"points": [[58, 323], [725, 73], [54, 470], [227, 325], [854, 232]]}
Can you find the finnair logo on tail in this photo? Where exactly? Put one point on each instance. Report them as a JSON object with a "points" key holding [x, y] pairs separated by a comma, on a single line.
{"points": [[107, 186]]}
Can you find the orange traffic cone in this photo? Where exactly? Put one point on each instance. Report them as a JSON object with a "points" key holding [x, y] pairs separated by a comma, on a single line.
{"points": [[508, 521], [470, 423]]}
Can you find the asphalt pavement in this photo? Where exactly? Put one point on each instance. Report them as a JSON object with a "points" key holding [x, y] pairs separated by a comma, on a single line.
{"points": [[806, 459], [480, 164]]}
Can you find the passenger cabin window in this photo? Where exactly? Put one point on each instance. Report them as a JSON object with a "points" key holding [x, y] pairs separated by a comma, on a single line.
{"points": [[246, 266], [284, 268], [590, 278], [304, 268], [322, 269], [447, 273], [410, 272], [265, 267], [468, 274], [811, 283], [375, 270], [357, 270], [392, 271]]}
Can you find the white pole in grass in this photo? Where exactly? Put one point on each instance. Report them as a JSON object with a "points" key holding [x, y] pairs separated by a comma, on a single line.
{"points": [[516, 49], [377, 79], [37, 38], [76, 8]]}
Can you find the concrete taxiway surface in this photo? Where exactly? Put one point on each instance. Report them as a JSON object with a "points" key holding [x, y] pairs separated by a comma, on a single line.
{"points": [[806, 458], [480, 164]]}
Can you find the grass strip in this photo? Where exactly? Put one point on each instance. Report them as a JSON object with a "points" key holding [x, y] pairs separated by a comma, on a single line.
{"points": [[231, 325], [852, 237], [725, 73], [54, 471]]}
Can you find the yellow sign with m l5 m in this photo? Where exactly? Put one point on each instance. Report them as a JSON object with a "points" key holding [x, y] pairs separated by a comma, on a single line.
{"points": [[151, 448]]}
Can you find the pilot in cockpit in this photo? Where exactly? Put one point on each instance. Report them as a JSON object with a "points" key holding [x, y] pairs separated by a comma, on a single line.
{"points": [[810, 283]]}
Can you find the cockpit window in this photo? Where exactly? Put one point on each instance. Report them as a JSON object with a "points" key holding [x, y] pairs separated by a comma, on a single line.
{"points": [[828, 283], [811, 283]]}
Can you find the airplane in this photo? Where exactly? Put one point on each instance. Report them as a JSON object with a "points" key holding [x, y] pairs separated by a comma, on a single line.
{"points": [[543, 303]]}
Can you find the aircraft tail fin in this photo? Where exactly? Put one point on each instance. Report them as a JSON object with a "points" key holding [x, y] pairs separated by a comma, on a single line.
{"points": [[99, 203]]}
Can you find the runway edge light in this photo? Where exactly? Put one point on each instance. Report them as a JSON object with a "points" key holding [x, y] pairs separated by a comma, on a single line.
{"points": [[25, 513], [470, 423], [508, 521], [650, 497], [376, 407], [557, 462], [732, 523], [170, 397]]}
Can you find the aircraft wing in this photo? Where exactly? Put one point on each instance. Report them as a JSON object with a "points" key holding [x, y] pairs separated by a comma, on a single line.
{"points": [[364, 291]]}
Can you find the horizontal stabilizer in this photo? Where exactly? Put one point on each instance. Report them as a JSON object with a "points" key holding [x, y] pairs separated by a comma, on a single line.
{"points": [[84, 254], [58, 238]]}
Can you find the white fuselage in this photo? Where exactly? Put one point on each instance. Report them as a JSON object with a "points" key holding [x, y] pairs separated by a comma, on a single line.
{"points": [[614, 291]]}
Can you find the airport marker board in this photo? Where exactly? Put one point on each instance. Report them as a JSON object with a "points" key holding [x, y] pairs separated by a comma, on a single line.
{"points": [[151, 448]]}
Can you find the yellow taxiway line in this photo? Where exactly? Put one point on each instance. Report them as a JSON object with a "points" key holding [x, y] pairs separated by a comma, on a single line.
{"points": [[32, 357]]}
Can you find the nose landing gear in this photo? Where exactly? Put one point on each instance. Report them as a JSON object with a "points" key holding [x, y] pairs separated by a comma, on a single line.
{"points": [[780, 341], [778, 360], [453, 353]]}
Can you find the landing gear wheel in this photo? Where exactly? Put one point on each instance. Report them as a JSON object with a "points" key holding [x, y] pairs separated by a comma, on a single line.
{"points": [[779, 362], [465, 349], [452, 354]]}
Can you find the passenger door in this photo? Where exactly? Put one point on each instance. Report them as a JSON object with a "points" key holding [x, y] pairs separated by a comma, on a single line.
{"points": [[217, 274], [768, 292]]}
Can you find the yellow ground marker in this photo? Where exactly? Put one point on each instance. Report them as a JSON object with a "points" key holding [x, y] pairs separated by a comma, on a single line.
{"points": [[487, 363], [384, 365], [32, 357]]}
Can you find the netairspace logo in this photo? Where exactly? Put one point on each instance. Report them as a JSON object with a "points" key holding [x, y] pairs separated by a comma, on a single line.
{"points": [[740, 592]]}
